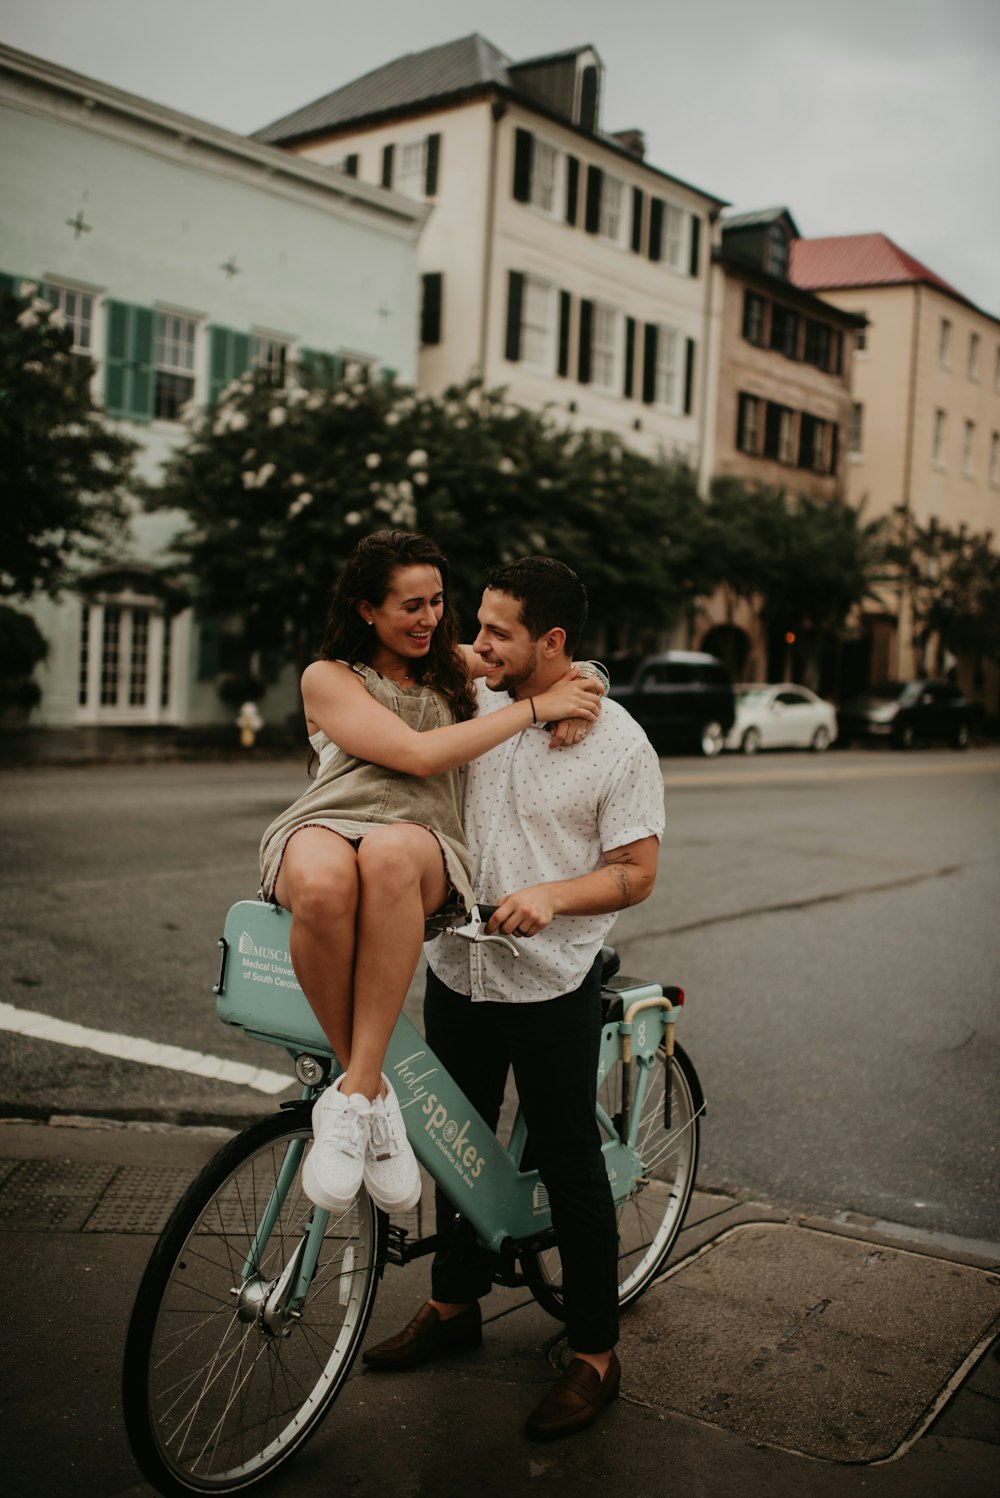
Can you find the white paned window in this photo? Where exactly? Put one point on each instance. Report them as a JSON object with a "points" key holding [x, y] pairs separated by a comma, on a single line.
{"points": [[604, 347], [674, 225], [77, 308], [411, 168], [786, 437], [271, 355], [973, 356], [173, 358], [667, 389], [612, 220], [968, 439], [944, 343], [538, 324], [994, 468], [937, 447], [544, 177]]}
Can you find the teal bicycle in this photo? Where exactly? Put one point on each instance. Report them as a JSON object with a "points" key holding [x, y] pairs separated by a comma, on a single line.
{"points": [[255, 1302]]}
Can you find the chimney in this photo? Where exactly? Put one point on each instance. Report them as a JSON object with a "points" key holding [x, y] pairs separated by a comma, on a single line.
{"points": [[632, 140]]}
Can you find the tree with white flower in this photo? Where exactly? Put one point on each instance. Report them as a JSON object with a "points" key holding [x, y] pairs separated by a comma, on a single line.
{"points": [[275, 507], [63, 471]]}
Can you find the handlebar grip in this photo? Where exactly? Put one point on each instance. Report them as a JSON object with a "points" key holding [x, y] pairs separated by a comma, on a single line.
{"points": [[487, 912]]}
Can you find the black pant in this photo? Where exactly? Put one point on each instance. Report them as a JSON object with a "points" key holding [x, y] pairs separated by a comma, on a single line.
{"points": [[553, 1047]]}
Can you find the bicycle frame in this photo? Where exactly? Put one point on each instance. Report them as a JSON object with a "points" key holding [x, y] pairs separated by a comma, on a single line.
{"points": [[258, 992]]}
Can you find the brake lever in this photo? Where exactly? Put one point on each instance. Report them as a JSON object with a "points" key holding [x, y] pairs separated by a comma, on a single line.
{"points": [[475, 930]]}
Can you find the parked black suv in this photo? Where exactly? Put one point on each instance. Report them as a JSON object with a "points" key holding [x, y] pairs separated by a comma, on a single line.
{"points": [[683, 699], [903, 713]]}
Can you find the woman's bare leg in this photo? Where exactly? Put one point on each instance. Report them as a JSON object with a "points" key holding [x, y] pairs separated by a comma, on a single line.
{"points": [[318, 882], [402, 881]]}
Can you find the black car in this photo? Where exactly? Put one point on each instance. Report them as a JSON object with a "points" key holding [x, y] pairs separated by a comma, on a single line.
{"points": [[683, 699], [903, 713]]}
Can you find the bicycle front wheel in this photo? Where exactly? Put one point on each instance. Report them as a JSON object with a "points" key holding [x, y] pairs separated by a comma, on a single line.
{"points": [[651, 1218], [226, 1372]]}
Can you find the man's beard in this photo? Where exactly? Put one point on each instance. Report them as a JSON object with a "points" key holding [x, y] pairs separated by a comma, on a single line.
{"points": [[514, 677]]}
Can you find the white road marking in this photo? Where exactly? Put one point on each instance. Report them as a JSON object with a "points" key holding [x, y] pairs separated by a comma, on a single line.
{"points": [[135, 1048]]}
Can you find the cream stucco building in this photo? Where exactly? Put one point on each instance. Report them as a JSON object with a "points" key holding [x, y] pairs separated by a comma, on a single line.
{"points": [[924, 436], [556, 261], [180, 255]]}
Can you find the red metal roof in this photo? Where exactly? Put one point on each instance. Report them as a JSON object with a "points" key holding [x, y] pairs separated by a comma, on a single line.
{"points": [[859, 260]]}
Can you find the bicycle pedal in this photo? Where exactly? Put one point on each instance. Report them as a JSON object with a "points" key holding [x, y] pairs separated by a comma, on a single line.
{"points": [[396, 1251]]}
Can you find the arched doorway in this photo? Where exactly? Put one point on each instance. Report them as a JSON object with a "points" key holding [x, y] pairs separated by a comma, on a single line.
{"points": [[731, 644]]}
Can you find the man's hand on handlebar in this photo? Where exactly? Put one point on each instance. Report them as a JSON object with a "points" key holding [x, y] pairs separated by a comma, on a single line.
{"points": [[524, 913]]}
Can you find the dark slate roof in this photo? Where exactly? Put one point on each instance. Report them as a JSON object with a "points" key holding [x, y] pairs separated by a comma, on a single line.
{"points": [[453, 68], [755, 218]]}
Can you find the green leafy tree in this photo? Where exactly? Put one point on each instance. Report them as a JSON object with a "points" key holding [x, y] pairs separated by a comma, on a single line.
{"points": [[278, 485], [804, 565], [953, 580], [62, 470]]}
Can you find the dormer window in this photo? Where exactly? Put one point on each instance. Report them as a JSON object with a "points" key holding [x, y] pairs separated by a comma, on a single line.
{"points": [[777, 251]]}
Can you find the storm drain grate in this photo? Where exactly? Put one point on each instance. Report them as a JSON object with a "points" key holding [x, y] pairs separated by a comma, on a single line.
{"points": [[58, 1195], [138, 1200]]}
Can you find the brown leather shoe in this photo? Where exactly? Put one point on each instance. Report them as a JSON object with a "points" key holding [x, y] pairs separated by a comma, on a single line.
{"points": [[427, 1337], [575, 1400]]}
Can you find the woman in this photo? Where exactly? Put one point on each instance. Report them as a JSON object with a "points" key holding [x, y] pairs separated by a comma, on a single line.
{"points": [[376, 845]]}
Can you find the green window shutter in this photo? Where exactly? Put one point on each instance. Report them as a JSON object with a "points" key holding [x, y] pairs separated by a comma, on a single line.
{"points": [[592, 213], [649, 363], [637, 197], [128, 372], [695, 262], [228, 358], [327, 369], [586, 334], [8, 284], [688, 376], [629, 389], [655, 248], [430, 312]]}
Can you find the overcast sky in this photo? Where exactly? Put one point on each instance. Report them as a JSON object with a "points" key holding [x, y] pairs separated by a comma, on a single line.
{"points": [[858, 115]]}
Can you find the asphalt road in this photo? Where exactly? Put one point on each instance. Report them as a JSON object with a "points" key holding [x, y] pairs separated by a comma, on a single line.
{"points": [[833, 921]]}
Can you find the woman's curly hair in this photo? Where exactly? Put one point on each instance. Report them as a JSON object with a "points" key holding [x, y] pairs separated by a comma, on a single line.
{"points": [[367, 577]]}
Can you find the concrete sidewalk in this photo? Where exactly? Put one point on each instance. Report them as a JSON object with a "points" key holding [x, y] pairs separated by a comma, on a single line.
{"points": [[781, 1354]]}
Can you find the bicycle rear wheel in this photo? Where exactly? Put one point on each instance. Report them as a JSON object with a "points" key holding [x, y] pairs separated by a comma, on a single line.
{"points": [[223, 1379], [651, 1218]]}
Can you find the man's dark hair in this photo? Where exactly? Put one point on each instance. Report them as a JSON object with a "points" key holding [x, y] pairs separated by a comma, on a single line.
{"points": [[550, 594]]}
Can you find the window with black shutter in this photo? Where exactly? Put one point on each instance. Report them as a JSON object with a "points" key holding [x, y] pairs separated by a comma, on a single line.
{"points": [[565, 304], [592, 219], [351, 164], [586, 334], [431, 169], [772, 429], [649, 364], [430, 311], [785, 331], [807, 440], [689, 377], [629, 357], [572, 189], [524, 145], [515, 300], [834, 448], [655, 249], [637, 196], [753, 318], [695, 264], [835, 361], [588, 99], [387, 154]]}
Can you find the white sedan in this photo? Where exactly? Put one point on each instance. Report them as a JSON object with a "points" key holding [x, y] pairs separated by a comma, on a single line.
{"points": [[781, 717]]}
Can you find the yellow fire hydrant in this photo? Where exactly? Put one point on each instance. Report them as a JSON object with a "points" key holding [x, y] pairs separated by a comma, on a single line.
{"points": [[249, 722]]}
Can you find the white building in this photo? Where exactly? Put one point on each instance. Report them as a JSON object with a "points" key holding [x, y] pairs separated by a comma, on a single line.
{"points": [[557, 261], [180, 254]]}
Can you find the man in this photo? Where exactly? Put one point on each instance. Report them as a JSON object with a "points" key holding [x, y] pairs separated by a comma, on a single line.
{"points": [[561, 841]]}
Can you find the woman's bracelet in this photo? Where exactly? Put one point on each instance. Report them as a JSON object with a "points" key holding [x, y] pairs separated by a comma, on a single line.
{"points": [[597, 670]]}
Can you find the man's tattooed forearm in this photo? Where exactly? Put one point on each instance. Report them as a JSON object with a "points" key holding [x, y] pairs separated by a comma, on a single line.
{"points": [[623, 879]]}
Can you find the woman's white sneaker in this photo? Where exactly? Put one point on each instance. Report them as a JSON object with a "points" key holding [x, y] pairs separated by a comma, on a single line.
{"points": [[335, 1166], [391, 1172]]}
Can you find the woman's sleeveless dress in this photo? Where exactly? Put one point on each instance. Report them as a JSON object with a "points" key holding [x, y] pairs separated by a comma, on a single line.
{"points": [[351, 796]]}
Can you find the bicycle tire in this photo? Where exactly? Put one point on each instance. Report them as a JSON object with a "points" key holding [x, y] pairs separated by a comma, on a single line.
{"points": [[650, 1220], [214, 1400]]}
